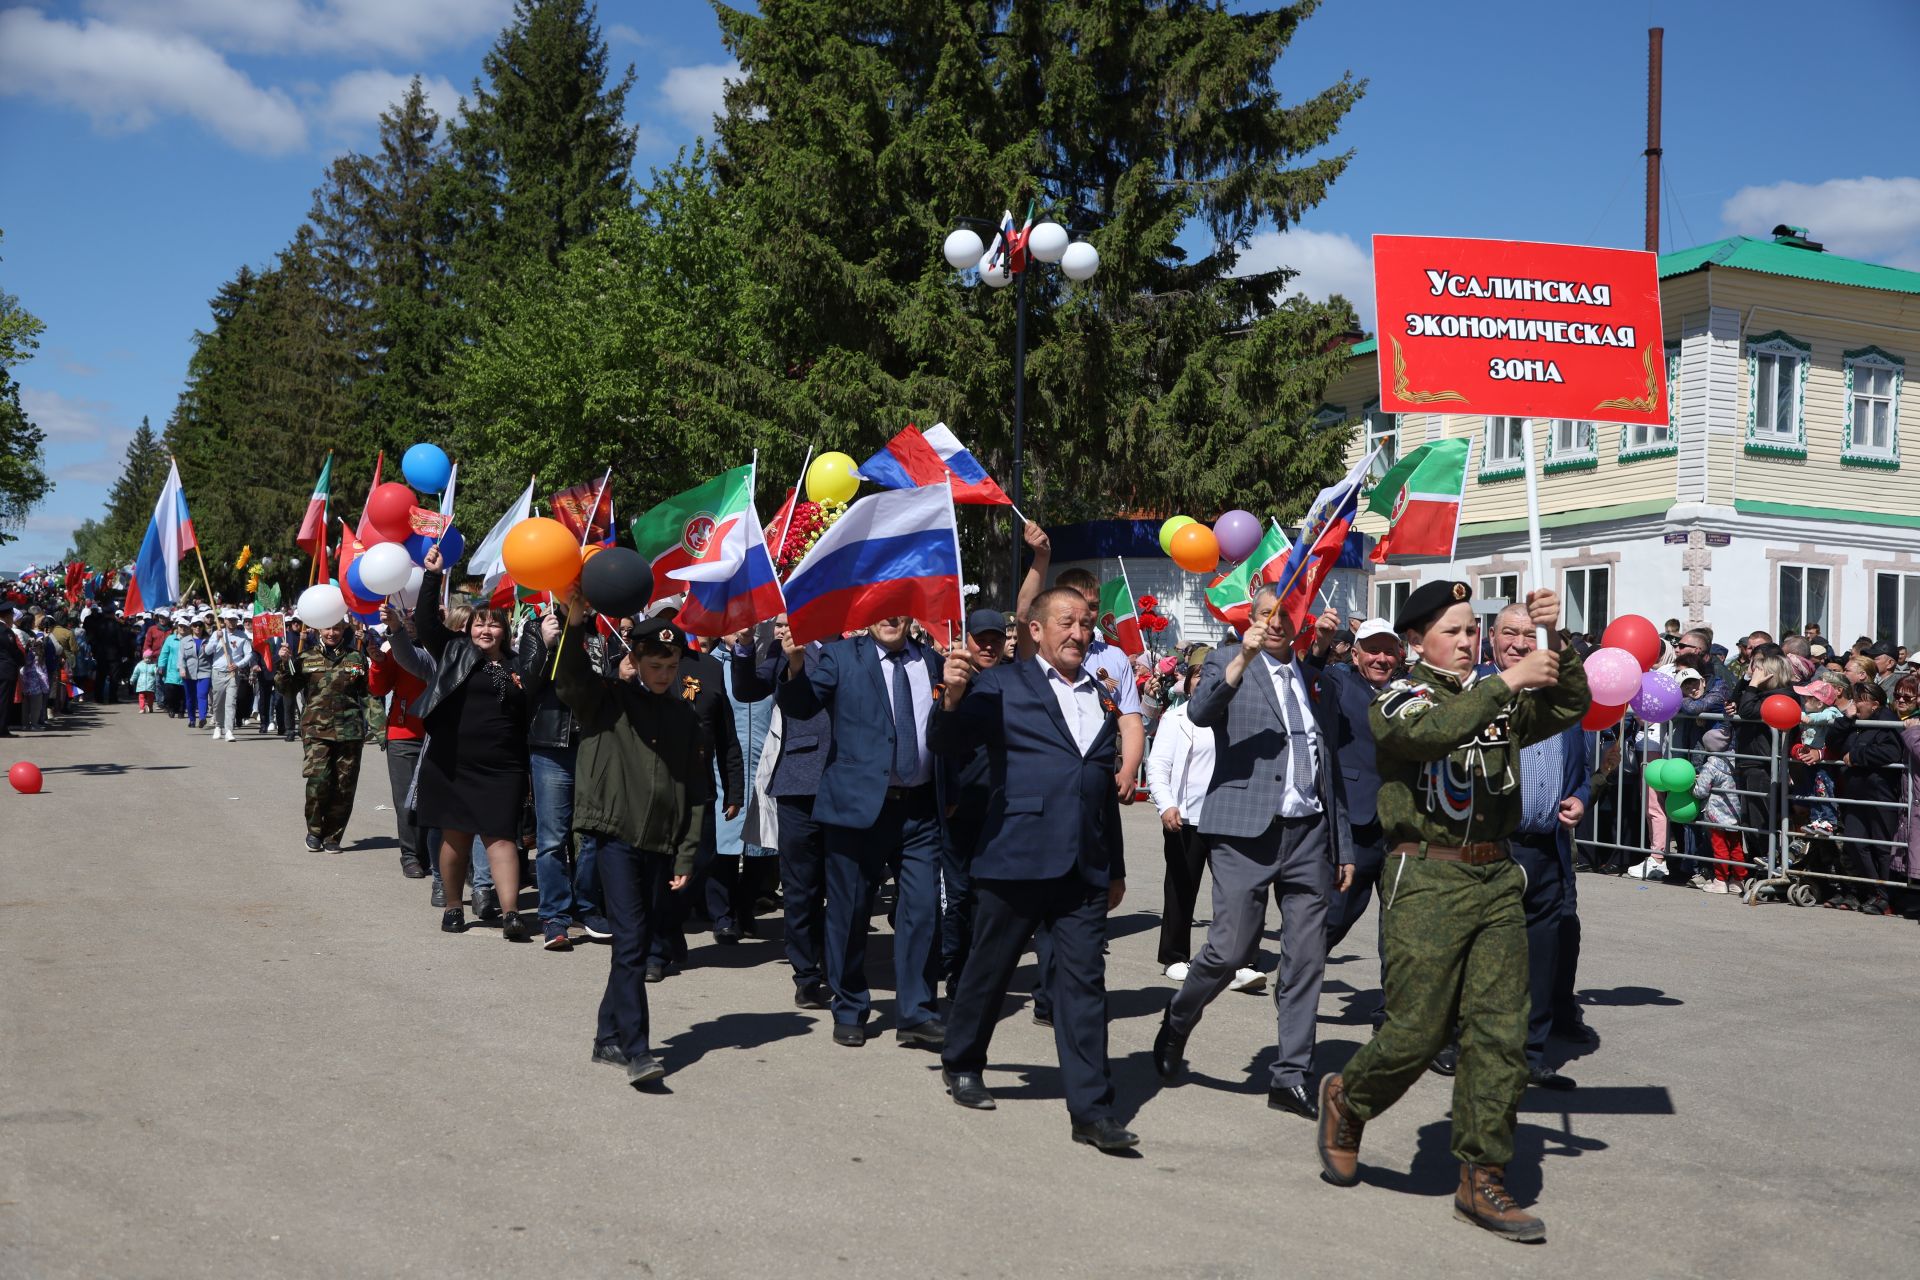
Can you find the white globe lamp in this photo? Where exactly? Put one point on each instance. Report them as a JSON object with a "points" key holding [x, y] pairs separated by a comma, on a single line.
{"points": [[962, 249], [1047, 241], [1080, 261]]}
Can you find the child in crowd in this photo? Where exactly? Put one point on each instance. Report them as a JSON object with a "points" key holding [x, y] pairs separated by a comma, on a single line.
{"points": [[1714, 788], [146, 681], [1814, 784]]}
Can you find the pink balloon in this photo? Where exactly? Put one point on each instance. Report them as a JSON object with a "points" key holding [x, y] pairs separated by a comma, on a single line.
{"points": [[1239, 533], [1613, 676]]}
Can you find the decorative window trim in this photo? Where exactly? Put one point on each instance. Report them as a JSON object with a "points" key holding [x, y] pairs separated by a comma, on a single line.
{"points": [[1328, 416], [1582, 463], [1586, 459], [1669, 447], [1505, 469], [1778, 343], [1873, 358]]}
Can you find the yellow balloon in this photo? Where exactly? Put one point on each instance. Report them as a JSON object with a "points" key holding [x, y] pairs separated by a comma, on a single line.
{"points": [[831, 478]]}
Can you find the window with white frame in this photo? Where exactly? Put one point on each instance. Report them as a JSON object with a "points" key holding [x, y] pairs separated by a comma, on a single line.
{"points": [[1588, 599], [1896, 608], [1497, 591], [1383, 432], [1570, 440], [1873, 407], [1504, 451], [1639, 438], [1777, 394], [1388, 597], [1804, 593]]}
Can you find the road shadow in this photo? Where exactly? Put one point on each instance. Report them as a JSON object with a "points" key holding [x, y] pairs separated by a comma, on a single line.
{"points": [[104, 769], [739, 1031], [1628, 997]]}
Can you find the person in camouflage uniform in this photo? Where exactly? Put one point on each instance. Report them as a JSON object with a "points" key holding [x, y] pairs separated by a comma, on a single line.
{"points": [[1453, 932], [333, 728]]}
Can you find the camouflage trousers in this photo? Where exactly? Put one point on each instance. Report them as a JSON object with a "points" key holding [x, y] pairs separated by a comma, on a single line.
{"points": [[332, 771], [1453, 948]]}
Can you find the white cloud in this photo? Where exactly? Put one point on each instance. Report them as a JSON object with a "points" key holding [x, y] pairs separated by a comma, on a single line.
{"points": [[357, 98], [309, 26], [1872, 218], [696, 94], [126, 79], [1327, 262], [67, 419]]}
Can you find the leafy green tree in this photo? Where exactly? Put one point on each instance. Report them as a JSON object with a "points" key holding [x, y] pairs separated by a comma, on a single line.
{"points": [[23, 475]]}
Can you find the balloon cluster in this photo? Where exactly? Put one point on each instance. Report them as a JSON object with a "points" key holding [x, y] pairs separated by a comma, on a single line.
{"points": [[1198, 549], [1620, 674], [1675, 778], [389, 565]]}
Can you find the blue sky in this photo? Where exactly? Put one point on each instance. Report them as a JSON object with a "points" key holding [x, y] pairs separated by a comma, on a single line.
{"points": [[153, 146]]}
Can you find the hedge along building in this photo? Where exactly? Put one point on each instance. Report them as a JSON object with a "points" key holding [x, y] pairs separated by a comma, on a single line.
{"points": [[1777, 497]]}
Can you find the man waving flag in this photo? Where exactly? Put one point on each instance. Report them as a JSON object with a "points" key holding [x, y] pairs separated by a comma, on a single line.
{"points": [[1322, 535]]}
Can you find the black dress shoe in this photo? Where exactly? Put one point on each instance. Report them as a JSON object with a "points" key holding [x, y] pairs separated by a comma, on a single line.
{"points": [[1447, 1061], [1105, 1133], [1169, 1048], [486, 904], [438, 897], [968, 1089], [412, 870], [1294, 1098], [656, 972], [849, 1034], [454, 921], [812, 997], [644, 1070], [1577, 1032], [512, 927], [931, 1034], [727, 935], [1043, 1017], [610, 1054], [1548, 1078]]}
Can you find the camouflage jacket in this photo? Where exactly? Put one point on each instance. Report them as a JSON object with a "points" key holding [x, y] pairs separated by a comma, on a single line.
{"points": [[335, 684], [1448, 749]]}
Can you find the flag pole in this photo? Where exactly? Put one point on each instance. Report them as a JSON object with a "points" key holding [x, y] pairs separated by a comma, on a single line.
{"points": [[959, 574], [787, 520], [1533, 522]]}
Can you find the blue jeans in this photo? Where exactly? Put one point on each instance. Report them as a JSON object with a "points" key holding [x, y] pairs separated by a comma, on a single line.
{"points": [[569, 886]]}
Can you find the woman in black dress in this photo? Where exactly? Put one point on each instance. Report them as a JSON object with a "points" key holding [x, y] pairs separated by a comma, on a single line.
{"points": [[473, 772]]}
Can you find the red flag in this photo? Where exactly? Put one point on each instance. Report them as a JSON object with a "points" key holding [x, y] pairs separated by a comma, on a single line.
{"points": [[350, 547], [777, 531], [76, 581], [365, 533], [576, 508]]}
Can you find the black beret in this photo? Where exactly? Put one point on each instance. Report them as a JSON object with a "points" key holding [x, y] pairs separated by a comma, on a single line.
{"points": [[658, 632], [1429, 602]]}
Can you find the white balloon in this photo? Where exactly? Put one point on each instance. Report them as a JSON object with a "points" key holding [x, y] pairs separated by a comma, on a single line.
{"points": [[321, 605], [998, 277], [962, 249], [410, 594], [1047, 241], [384, 567], [1079, 262]]}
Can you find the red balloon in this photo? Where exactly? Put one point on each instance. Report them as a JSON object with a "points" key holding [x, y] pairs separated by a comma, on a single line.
{"points": [[390, 511], [25, 778], [1781, 711], [1637, 636], [1599, 717]]}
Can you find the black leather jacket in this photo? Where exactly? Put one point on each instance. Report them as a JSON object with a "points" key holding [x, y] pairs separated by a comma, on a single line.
{"points": [[550, 724], [453, 654]]}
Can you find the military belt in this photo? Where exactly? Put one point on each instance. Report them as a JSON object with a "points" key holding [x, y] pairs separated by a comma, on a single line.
{"points": [[1473, 855]]}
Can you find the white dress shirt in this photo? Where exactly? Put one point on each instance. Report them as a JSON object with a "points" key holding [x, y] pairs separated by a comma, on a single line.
{"points": [[920, 684], [1290, 686], [1180, 766], [1104, 660], [1079, 701]]}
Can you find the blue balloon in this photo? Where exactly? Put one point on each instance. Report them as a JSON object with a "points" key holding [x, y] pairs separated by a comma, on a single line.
{"points": [[426, 468], [356, 586], [452, 547]]}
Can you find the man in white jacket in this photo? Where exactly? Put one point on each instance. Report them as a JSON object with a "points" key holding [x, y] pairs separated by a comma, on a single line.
{"points": [[1179, 768], [233, 659]]}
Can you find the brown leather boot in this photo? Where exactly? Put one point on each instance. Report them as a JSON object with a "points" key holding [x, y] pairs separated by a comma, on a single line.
{"points": [[1483, 1200], [1340, 1131]]}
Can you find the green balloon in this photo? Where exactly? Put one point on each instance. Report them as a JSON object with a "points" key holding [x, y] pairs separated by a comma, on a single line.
{"points": [[1680, 776], [1172, 526], [1656, 774], [1683, 811]]}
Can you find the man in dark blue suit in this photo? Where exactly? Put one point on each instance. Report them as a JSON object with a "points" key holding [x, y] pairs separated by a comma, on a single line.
{"points": [[879, 805], [1554, 792], [1049, 857], [801, 753]]}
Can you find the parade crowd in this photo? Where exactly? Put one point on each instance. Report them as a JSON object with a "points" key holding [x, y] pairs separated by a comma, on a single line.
{"points": [[644, 784]]}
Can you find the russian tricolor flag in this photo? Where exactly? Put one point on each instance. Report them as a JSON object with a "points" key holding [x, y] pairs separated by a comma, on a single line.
{"points": [[156, 570], [1322, 535], [913, 459], [891, 555]]}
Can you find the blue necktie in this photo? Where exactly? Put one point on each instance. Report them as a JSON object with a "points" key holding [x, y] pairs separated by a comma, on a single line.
{"points": [[906, 747]]}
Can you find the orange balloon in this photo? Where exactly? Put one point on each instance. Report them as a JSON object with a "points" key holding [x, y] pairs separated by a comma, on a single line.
{"points": [[542, 555], [1195, 549], [589, 551]]}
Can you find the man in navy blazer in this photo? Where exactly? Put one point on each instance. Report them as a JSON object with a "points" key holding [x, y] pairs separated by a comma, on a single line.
{"points": [[878, 803], [1049, 854], [1555, 787], [1274, 818]]}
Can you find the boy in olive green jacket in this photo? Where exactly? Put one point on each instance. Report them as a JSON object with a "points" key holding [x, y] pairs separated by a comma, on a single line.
{"points": [[641, 786]]}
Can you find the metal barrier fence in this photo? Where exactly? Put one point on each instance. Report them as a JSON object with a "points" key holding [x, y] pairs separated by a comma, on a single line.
{"points": [[1780, 856]]}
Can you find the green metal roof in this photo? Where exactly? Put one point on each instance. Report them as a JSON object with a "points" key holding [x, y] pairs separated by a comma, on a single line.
{"points": [[1769, 257], [1366, 348]]}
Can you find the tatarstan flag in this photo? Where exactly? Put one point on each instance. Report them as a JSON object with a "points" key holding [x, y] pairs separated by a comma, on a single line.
{"points": [[687, 536], [1119, 619], [1230, 596], [1420, 496], [313, 528]]}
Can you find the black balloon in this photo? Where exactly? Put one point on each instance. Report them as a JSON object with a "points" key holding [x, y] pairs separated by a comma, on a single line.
{"points": [[617, 582]]}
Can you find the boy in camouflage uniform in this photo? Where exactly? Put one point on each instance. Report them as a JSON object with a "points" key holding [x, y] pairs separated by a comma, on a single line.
{"points": [[1453, 930], [333, 728]]}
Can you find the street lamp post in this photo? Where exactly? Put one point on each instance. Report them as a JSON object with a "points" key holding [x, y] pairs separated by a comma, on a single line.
{"points": [[1005, 261]]}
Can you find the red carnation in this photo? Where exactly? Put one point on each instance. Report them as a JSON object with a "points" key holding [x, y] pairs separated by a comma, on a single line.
{"points": [[1148, 604]]}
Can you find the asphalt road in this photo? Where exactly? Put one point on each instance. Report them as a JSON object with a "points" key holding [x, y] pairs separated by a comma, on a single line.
{"points": [[226, 1056]]}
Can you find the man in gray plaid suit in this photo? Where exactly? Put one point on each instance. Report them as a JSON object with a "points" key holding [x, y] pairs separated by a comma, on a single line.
{"points": [[1274, 817]]}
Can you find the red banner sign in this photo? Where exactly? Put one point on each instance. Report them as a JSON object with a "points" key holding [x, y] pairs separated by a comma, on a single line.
{"points": [[1516, 328]]}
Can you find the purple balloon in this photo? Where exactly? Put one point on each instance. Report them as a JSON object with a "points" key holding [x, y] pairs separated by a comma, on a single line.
{"points": [[1659, 698], [1239, 533], [1613, 676]]}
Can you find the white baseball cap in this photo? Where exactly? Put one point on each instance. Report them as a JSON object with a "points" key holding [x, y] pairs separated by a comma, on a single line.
{"points": [[1374, 627]]}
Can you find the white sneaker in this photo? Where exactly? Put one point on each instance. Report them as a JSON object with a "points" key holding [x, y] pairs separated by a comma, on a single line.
{"points": [[229, 735], [1651, 869], [1714, 886], [1177, 970], [1247, 980]]}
